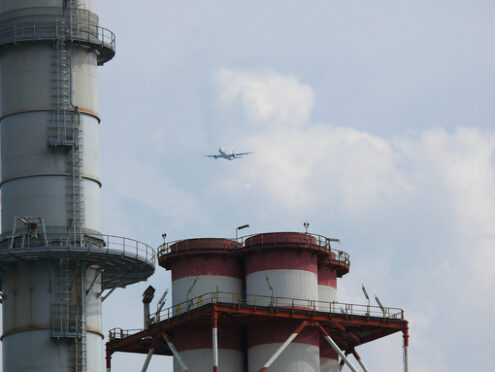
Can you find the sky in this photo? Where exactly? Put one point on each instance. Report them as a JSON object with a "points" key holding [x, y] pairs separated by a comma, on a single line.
{"points": [[373, 121]]}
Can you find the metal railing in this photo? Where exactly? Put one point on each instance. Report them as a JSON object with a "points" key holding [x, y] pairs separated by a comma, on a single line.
{"points": [[86, 242], [191, 245], [275, 304], [65, 321], [278, 303], [307, 239], [27, 31], [119, 333]]}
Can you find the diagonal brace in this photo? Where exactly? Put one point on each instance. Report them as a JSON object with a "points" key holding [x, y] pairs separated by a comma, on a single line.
{"points": [[359, 360], [284, 346], [337, 349], [175, 353]]}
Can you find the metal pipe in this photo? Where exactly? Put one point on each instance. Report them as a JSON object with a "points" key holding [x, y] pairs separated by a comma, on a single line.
{"points": [[109, 360], [359, 360], [146, 315], [148, 359], [283, 346], [337, 349], [215, 341], [175, 353], [406, 345]]}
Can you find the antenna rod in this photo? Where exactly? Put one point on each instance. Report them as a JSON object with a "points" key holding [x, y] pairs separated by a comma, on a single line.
{"points": [[380, 304]]}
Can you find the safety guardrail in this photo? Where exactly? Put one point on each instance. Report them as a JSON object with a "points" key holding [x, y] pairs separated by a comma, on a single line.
{"points": [[321, 242], [78, 242], [26, 31], [278, 303], [266, 302], [119, 333]]}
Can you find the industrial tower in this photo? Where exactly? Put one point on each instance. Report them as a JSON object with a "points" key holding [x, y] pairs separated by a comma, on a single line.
{"points": [[266, 302], [56, 267]]}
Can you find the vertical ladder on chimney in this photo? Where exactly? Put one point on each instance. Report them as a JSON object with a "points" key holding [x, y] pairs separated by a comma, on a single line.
{"points": [[82, 352], [74, 187], [65, 135], [65, 129]]}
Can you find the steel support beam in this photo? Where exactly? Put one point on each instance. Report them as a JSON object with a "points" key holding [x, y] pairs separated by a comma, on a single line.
{"points": [[283, 346], [214, 336], [406, 345], [359, 360], [175, 353], [337, 349], [106, 296], [148, 359], [109, 360]]}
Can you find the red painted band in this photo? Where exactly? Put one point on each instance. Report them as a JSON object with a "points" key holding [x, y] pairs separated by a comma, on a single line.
{"points": [[280, 260], [279, 239], [271, 333], [326, 350], [207, 244], [327, 276], [218, 265], [193, 338]]}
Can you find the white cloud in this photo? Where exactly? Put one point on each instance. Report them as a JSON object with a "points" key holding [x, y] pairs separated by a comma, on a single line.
{"points": [[462, 162], [267, 95], [444, 179], [319, 164]]}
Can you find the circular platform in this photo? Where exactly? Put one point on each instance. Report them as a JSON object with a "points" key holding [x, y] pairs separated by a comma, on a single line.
{"points": [[123, 261], [98, 38]]}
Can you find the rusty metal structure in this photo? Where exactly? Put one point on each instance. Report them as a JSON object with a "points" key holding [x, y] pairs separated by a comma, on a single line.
{"points": [[265, 302]]}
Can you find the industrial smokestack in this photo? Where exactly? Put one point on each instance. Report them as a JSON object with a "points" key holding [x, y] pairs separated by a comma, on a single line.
{"points": [[55, 262]]}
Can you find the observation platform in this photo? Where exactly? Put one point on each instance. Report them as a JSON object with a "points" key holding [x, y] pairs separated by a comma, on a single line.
{"points": [[349, 325], [123, 261], [100, 39]]}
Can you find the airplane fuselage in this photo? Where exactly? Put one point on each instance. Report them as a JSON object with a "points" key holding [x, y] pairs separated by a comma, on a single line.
{"points": [[223, 153]]}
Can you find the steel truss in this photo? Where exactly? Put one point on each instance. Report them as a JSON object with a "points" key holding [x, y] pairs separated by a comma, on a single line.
{"points": [[344, 332]]}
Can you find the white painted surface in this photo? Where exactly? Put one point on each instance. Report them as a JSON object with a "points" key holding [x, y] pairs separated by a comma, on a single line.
{"points": [[46, 196], [205, 284], [326, 294], [299, 284], [34, 351], [200, 360], [296, 358], [29, 290], [93, 302], [28, 155], [329, 365]]}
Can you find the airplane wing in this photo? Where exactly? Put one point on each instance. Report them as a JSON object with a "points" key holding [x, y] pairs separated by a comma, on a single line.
{"points": [[243, 153], [212, 156]]}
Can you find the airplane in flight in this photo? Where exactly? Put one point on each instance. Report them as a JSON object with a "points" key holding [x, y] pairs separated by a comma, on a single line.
{"points": [[223, 153]]}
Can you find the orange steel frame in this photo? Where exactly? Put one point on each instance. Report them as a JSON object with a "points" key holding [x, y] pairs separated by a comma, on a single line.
{"points": [[348, 331]]}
